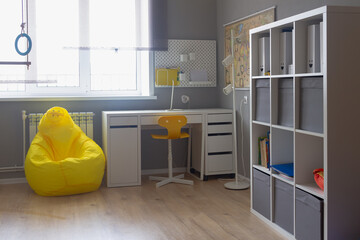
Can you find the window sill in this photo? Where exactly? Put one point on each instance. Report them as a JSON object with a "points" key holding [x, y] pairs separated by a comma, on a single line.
{"points": [[72, 98]]}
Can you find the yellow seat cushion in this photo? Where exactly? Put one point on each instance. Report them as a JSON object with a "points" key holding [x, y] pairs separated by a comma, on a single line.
{"points": [[61, 159], [182, 135]]}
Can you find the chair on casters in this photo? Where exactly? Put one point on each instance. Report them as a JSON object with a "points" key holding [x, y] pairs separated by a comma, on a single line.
{"points": [[173, 124]]}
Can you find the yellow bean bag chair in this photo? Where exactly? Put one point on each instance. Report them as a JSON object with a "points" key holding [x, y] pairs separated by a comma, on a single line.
{"points": [[62, 160]]}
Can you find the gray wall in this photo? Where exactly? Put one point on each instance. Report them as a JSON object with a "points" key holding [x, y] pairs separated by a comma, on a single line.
{"points": [[230, 10], [187, 19]]}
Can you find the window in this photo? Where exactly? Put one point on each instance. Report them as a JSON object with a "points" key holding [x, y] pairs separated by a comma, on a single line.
{"points": [[90, 47]]}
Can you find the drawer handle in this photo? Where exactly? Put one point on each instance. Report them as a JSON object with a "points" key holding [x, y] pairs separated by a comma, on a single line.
{"points": [[219, 134], [219, 153], [124, 126], [219, 123]]}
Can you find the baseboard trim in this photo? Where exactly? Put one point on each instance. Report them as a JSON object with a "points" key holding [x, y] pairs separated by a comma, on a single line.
{"points": [[162, 171], [13, 180]]}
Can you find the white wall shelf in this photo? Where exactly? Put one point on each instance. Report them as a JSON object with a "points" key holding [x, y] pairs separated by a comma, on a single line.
{"points": [[315, 134], [283, 127], [261, 123], [261, 168], [311, 123], [311, 188], [284, 179], [260, 77], [282, 76], [308, 75]]}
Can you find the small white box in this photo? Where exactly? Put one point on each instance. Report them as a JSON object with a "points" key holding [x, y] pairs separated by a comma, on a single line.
{"points": [[313, 53], [264, 55], [182, 76], [285, 51]]}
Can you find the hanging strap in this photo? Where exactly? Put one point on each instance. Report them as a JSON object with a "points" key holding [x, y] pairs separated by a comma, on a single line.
{"points": [[23, 34]]}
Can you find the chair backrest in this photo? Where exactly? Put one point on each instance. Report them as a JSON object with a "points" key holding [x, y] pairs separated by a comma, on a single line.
{"points": [[173, 124]]}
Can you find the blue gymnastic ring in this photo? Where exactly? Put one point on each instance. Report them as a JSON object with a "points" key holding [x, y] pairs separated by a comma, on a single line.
{"points": [[29, 42]]}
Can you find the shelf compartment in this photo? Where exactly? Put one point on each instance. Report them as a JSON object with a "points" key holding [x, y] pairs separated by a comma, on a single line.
{"points": [[282, 49], [258, 131], [309, 155], [309, 104], [261, 193], [302, 45], [284, 205], [282, 99], [309, 216], [282, 146], [262, 100], [311, 188], [255, 55]]}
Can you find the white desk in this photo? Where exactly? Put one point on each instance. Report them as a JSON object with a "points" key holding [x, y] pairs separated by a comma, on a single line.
{"points": [[211, 142]]}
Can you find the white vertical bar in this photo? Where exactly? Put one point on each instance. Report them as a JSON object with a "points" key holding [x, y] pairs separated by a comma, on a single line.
{"points": [[75, 117], [38, 118], [90, 125], [24, 135], [32, 126], [82, 117]]}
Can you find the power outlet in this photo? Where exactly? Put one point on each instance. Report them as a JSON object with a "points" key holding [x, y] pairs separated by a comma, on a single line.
{"points": [[245, 100]]}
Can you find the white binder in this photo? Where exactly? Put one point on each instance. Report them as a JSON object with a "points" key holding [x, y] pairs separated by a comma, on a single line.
{"points": [[285, 51], [264, 55], [313, 54]]}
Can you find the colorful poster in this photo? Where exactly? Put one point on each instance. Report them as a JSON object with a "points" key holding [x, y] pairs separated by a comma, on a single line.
{"points": [[242, 45]]}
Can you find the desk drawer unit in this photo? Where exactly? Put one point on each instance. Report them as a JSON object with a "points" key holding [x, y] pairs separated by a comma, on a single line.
{"points": [[219, 145], [123, 165]]}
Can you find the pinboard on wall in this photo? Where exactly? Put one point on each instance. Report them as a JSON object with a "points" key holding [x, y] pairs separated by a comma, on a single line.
{"points": [[241, 29]]}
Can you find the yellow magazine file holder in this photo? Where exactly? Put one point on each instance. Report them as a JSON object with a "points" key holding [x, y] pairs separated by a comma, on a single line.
{"points": [[165, 77], [62, 160]]}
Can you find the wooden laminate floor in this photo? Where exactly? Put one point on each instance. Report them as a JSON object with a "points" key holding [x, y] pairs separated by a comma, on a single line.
{"points": [[203, 211]]}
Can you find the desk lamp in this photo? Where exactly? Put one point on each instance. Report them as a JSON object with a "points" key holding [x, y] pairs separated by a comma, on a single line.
{"points": [[229, 60]]}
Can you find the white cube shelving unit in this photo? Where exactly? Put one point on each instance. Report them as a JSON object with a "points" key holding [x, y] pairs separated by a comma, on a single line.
{"points": [[324, 110]]}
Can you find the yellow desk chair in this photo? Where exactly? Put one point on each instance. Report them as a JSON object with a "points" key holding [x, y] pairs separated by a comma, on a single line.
{"points": [[173, 124]]}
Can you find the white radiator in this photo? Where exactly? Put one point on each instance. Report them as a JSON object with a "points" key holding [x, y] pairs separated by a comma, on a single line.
{"points": [[83, 119]]}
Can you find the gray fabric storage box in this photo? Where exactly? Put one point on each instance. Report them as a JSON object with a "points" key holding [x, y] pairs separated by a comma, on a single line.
{"points": [[261, 193], [284, 205], [262, 107], [285, 103], [311, 105], [309, 216]]}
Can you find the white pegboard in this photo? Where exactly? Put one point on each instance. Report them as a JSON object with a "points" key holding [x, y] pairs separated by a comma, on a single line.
{"points": [[205, 59]]}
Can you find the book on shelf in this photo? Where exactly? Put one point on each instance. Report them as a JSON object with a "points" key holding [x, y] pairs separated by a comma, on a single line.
{"points": [[264, 151]]}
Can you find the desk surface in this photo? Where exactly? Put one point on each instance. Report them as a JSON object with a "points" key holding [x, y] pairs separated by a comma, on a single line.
{"points": [[168, 112]]}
